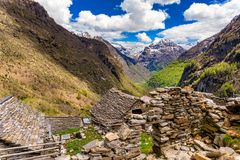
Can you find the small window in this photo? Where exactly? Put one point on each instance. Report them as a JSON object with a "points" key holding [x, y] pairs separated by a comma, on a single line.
{"points": [[137, 111]]}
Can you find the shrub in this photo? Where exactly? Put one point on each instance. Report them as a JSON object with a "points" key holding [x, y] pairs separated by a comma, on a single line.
{"points": [[146, 143], [226, 90], [219, 68], [230, 141]]}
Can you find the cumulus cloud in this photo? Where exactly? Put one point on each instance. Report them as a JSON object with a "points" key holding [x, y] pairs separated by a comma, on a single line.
{"points": [[139, 16], [58, 10], [143, 37], [164, 2], [210, 19]]}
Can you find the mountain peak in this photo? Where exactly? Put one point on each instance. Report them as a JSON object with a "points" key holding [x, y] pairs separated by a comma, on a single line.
{"points": [[160, 53], [163, 41]]}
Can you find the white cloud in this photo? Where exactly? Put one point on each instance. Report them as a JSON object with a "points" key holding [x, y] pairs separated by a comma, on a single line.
{"points": [[58, 10], [210, 19], [135, 47], [139, 16], [143, 37], [165, 2]]}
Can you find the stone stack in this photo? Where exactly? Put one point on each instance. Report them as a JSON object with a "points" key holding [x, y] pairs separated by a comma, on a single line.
{"points": [[233, 107], [123, 144], [175, 113]]}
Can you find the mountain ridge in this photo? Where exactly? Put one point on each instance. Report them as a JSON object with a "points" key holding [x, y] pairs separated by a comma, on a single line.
{"points": [[216, 70], [157, 55], [49, 67]]}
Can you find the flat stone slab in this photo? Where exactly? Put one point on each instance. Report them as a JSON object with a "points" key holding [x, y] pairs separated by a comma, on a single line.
{"points": [[91, 145]]}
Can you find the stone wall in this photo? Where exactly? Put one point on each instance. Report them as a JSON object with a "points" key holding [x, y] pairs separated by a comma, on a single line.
{"points": [[61, 123], [174, 114]]}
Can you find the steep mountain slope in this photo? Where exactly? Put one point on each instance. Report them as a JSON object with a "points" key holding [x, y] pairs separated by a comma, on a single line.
{"points": [[135, 71], [131, 54], [157, 56], [217, 69], [47, 66], [197, 49]]}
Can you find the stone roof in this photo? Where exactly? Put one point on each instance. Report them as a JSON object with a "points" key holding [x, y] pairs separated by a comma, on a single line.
{"points": [[20, 124], [113, 107]]}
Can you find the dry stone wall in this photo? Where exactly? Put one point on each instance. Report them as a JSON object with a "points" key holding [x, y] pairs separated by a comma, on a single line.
{"points": [[61, 123], [173, 115]]}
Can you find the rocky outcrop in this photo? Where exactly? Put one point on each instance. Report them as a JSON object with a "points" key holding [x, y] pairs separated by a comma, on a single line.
{"points": [[157, 56]]}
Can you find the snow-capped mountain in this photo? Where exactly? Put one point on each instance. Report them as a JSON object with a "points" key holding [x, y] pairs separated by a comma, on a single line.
{"points": [[131, 52], [159, 54]]}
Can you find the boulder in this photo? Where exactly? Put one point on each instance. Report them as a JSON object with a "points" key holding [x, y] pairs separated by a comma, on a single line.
{"points": [[91, 145], [111, 136], [100, 150], [82, 157], [141, 157], [124, 132], [214, 154], [203, 146], [146, 99], [64, 157], [226, 150], [134, 121], [150, 157], [168, 117], [227, 157], [199, 156]]}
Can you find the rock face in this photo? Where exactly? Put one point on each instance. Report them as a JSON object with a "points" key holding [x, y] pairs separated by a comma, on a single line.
{"points": [[157, 56], [214, 70]]}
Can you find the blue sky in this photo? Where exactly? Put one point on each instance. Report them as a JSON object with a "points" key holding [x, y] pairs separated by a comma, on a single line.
{"points": [[111, 7], [140, 22]]}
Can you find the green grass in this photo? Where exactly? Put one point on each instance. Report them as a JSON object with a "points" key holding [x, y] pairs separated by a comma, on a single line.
{"points": [[169, 76], [68, 131], [74, 146], [146, 143], [229, 141]]}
